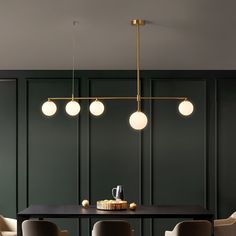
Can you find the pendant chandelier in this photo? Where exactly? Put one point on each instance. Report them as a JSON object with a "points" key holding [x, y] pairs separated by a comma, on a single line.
{"points": [[138, 120]]}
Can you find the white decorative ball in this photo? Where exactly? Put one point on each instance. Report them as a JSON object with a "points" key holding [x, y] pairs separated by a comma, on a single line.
{"points": [[85, 203], [132, 206]]}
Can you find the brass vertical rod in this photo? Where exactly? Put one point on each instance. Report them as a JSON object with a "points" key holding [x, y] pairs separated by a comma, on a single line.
{"points": [[73, 59], [73, 78], [138, 67]]}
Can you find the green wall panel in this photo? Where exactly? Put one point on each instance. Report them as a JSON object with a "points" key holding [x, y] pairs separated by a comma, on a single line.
{"points": [[52, 149], [178, 146], [226, 148], [8, 152], [114, 149]]}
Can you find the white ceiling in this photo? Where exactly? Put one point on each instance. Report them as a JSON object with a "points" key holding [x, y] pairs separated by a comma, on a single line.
{"points": [[181, 34]]}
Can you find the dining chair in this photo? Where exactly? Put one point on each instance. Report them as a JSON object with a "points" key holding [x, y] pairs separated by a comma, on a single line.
{"points": [[112, 228], [191, 228], [41, 228], [228, 220], [225, 227], [8, 226]]}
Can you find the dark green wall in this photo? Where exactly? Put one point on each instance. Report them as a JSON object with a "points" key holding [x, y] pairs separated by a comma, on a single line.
{"points": [[62, 160], [8, 148]]}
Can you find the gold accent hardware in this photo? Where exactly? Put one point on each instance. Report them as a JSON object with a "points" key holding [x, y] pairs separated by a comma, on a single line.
{"points": [[137, 99]]}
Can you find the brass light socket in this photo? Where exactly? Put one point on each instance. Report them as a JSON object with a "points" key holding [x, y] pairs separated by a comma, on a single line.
{"points": [[138, 22]]}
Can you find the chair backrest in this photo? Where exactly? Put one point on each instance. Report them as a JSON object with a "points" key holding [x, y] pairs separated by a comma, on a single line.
{"points": [[112, 228], [233, 215], [194, 228], [3, 225], [225, 227], [8, 224], [39, 228]]}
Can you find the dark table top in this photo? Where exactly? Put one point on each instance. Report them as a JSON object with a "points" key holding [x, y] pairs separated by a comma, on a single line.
{"points": [[77, 211]]}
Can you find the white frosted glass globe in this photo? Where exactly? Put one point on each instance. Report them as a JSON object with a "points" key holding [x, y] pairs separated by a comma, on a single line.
{"points": [[138, 120], [72, 108], [49, 108], [96, 108], [186, 108]]}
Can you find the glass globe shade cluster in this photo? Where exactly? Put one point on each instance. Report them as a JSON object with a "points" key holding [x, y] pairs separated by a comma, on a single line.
{"points": [[72, 108], [137, 120]]}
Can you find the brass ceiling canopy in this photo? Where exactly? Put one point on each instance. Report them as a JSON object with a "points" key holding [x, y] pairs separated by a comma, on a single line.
{"points": [[138, 22]]}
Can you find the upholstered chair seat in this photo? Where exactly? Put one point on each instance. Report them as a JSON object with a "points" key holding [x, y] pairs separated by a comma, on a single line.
{"points": [[41, 228], [191, 228], [112, 228]]}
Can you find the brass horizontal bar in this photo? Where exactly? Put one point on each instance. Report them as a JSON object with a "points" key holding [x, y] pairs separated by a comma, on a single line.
{"points": [[118, 98], [164, 98], [94, 98]]}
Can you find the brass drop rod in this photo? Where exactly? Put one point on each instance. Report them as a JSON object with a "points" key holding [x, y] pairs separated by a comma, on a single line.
{"points": [[138, 23]]}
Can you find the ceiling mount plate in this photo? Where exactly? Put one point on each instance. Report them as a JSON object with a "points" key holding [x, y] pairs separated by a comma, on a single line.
{"points": [[138, 22]]}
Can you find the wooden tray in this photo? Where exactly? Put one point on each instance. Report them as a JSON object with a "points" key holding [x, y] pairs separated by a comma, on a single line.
{"points": [[112, 205]]}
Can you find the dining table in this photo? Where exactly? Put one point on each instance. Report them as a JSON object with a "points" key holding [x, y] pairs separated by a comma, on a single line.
{"points": [[142, 211]]}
